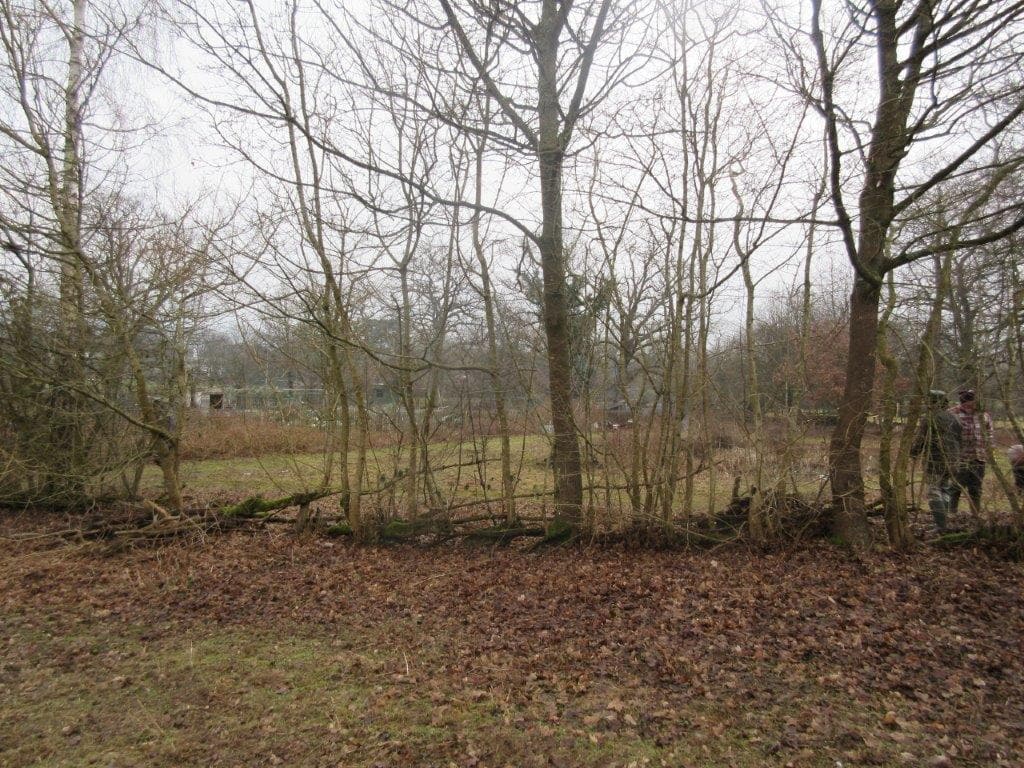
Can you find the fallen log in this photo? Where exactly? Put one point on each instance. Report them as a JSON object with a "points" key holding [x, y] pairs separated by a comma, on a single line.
{"points": [[1004, 540], [256, 506], [500, 535], [558, 532], [339, 529], [399, 530]]}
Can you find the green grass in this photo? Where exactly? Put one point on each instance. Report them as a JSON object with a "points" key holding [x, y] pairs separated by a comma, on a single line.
{"points": [[120, 696], [288, 473], [201, 698], [239, 698], [283, 474]]}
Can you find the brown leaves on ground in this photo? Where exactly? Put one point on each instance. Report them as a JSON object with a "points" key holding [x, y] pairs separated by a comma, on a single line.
{"points": [[674, 658]]}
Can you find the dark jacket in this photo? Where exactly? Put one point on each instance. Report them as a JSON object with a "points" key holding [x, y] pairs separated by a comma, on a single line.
{"points": [[938, 439]]}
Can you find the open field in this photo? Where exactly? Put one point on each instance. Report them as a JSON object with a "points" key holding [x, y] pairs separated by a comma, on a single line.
{"points": [[266, 649], [236, 455], [462, 480]]}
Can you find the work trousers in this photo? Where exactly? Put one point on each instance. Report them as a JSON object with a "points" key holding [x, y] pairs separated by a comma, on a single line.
{"points": [[940, 495], [968, 478]]}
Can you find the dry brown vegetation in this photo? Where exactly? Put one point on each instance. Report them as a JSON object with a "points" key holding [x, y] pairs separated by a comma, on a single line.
{"points": [[229, 435]]}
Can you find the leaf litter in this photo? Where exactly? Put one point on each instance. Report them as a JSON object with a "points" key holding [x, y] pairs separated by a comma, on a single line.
{"points": [[460, 655]]}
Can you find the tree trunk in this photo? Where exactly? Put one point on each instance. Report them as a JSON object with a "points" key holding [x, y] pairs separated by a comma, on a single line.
{"points": [[167, 458], [550, 156], [850, 519], [352, 504], [891, 470], [757, 517], [68, 199], [69, 406], [508, 500], [566, 451]]}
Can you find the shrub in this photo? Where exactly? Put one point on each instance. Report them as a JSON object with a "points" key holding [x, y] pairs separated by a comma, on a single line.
{"points": [[229, 435]]}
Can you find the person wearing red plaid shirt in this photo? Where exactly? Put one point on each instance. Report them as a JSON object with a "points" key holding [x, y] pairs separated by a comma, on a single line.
{"points": [[977, 436]]}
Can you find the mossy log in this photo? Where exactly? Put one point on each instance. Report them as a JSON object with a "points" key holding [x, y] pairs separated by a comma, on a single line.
{"points": [[405, 530], [503, 535], [398, 530], [1005, 540], [256, 506], [559, 531], [21, 502], [338, 529]]}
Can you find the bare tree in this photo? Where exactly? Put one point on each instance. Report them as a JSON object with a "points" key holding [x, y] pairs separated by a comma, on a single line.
{"points": [[943, 68], [58, 156], [149, 276]]}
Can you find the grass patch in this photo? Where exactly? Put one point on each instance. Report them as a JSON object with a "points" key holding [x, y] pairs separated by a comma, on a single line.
{"points": [[470, 472], [230, 696], [462, 479], [239, 697], [227, 696]]}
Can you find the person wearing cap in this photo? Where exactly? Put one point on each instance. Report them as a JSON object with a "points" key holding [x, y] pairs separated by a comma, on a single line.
{"points": [[938, 440], [977, 438]]}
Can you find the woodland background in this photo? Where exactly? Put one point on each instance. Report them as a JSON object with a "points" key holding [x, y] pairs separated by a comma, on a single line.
{"points": [[670, 251], [284, 281]]}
